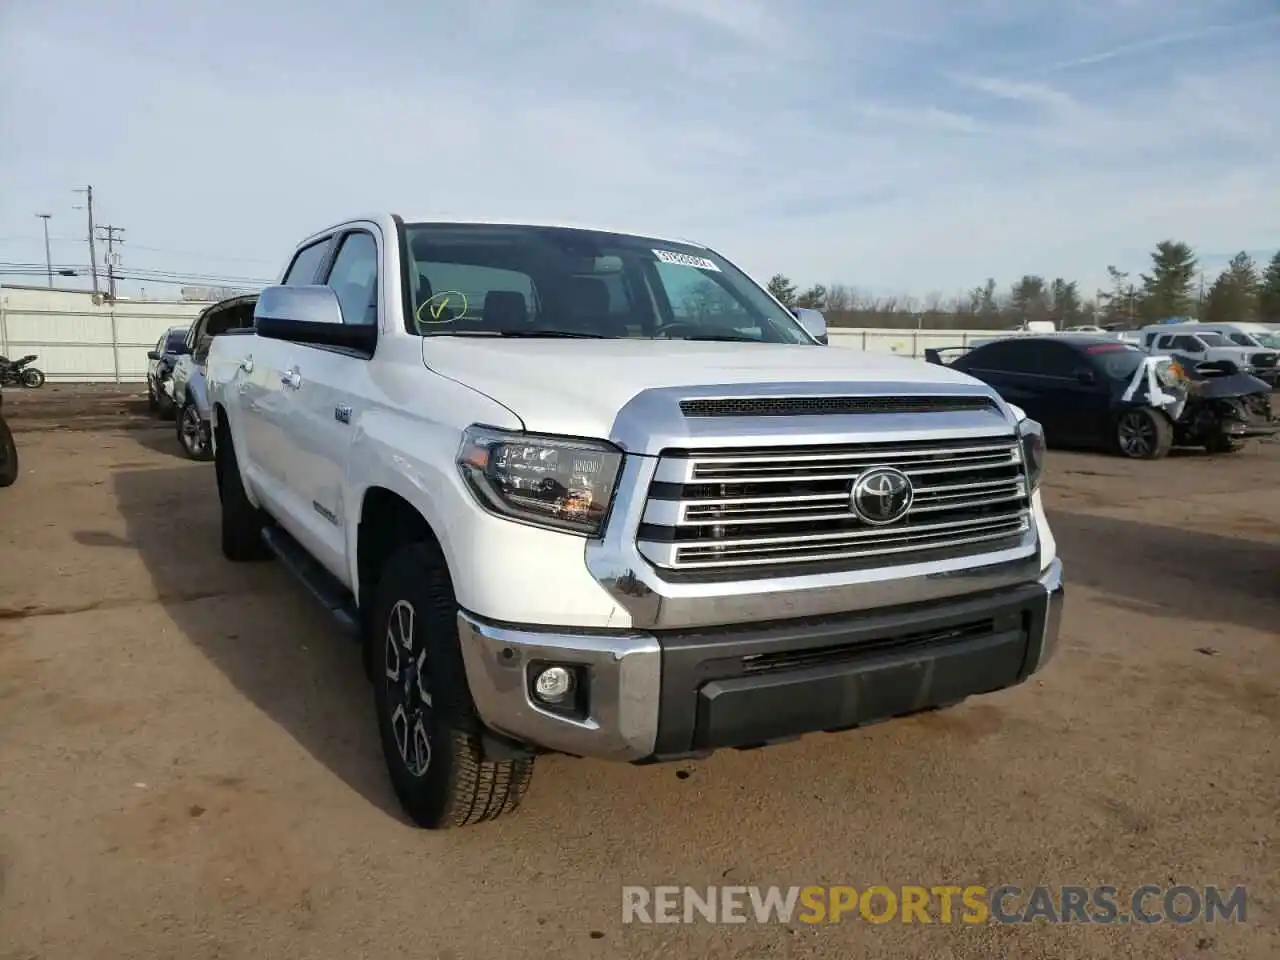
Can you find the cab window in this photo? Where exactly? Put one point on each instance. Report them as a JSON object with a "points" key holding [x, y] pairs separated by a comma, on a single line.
{"points": [[354, 278], [306, 264]]}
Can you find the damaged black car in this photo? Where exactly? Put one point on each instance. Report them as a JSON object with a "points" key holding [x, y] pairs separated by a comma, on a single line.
{"points": [[1099, 392]]}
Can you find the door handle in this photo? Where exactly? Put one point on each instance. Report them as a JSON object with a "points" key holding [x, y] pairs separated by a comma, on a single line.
{"points": [[291, 378], [247, 364]]}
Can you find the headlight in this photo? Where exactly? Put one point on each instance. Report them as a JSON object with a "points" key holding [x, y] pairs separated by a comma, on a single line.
{"points": [[558, 482], [1031, 440]]}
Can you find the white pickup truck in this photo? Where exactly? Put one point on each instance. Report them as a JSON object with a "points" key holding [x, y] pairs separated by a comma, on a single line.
{"points": [[602, 495]]}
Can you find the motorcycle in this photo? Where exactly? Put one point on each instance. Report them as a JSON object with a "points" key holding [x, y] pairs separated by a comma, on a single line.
{"points": [[8, 451], [19, 373]]}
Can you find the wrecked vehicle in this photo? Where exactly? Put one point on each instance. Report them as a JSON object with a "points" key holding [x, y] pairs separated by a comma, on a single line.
{"points": [[1094, 391], [1221, 407]]}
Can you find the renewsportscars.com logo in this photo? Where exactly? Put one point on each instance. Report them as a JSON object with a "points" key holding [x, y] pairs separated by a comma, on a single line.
{"points": [[1146, 904]]}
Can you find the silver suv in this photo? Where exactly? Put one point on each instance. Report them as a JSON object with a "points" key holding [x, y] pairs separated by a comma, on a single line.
{"points": [[189, 397]]}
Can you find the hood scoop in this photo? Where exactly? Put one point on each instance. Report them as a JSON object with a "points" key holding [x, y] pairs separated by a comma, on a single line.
{"points": [[829, 406]]}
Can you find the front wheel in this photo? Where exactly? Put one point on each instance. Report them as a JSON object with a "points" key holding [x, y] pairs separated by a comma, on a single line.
{"points": [[428, 726], [1224, 443], [193, 433], [1144, 434], [8, 456], [242, 522], [32, 378]]}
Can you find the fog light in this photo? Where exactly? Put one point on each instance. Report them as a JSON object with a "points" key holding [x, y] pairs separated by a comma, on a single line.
{"points": [[553, 684]]}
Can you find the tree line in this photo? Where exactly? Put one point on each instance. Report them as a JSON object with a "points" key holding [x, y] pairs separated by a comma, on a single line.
{"points": [[1173, 288]]}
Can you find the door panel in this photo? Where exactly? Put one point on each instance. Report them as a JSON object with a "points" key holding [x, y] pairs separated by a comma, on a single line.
{"points": [[265, 407], [321, 413]]}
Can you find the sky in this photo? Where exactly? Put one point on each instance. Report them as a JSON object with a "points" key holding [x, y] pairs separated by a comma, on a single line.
{"points": [[909, 147]]}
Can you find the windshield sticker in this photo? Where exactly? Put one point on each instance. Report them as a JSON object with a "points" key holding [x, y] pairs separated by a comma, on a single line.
{"points": [[443, 307], [685, 260]]}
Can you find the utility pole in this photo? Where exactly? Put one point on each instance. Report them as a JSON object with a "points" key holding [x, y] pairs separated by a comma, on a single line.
{"points": [[93, 256], [112, 236], [48, 260]]}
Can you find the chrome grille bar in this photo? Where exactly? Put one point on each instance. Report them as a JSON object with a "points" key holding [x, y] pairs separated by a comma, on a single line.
{"points": [[791, 506]]}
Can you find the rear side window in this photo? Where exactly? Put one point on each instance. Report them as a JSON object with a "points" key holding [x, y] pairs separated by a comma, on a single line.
{"points": [[1165, 342], [306, 264], [1053, 359], [995, 356]]}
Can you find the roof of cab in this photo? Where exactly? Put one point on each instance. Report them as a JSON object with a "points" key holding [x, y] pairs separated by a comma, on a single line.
{"points": [[386, 220]]}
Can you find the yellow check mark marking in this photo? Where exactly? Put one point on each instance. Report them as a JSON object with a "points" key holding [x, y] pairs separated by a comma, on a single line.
{"points": [[439, 309]]}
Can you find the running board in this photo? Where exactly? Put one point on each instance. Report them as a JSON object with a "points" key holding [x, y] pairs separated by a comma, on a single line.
{"points": [[320, 583]]}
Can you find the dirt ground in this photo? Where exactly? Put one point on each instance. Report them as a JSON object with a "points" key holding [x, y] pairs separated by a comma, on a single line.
{"points": [[189, 765]]}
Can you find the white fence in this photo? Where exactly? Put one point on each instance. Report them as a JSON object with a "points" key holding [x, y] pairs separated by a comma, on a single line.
{"points": [[79, 341]]}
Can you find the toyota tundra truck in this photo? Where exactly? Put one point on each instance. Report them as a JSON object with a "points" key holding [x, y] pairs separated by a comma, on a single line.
{"points": [[600, 494]]}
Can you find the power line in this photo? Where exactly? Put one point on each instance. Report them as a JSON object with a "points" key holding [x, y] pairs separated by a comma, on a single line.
{"points": [[134, 273]]}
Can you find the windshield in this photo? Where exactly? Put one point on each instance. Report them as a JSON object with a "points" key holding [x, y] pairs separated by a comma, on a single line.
{"points": [[1271, 340], [501, 280], [174, 339], [1244, 339], [1214, 339]]}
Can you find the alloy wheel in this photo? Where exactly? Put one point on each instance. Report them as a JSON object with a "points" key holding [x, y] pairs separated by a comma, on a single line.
{"points": [[408, 696], [1137, 434], [192, 432]]}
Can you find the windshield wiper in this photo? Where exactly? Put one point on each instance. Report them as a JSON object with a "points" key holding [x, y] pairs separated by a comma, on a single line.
{"points": [[521, 332], [535, 332], [721, 337]]}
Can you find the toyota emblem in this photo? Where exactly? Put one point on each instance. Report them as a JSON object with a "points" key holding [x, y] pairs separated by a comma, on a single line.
{"points": [[881, 495]]}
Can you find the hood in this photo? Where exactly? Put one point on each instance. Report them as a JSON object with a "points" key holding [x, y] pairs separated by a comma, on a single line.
{"points": [[577, 387]]}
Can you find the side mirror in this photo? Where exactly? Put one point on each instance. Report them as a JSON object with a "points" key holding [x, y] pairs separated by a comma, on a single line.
{"points": [[814, 323], [152, 355], [309, 314], [1086, 376]]}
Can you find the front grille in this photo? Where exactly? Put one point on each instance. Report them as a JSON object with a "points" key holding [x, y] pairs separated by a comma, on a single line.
{"points": [[749, 512], [1263, 359], [828, 406]]}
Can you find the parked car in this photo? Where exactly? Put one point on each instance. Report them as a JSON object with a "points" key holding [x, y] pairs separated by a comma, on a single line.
{"points": [[1207, 345], [190, 399], [569, 509], [8, 450], [160, 363], [1257, 336], [1095, 391]]}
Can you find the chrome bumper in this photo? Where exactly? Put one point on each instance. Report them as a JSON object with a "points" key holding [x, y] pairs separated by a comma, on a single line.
{"points": [[629, 695]]}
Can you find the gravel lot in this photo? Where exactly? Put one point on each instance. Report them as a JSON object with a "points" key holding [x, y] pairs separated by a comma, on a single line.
{"points": [[189, 764]]}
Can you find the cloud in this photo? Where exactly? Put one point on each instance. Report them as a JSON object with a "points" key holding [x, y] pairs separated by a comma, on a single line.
{"points": [[908, 147]]}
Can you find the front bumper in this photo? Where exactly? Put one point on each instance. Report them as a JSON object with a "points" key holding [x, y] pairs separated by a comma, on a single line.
{"points": [[662, 695]]}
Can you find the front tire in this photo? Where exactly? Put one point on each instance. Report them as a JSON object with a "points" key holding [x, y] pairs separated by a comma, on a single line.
{"points": [[242, 522], [193, 433], [1222, 443], [1143, 434], [32, 378], [426, 720]]}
